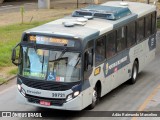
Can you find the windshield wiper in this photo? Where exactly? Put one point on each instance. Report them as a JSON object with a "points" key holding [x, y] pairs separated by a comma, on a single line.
{"points": [[60, 56], [77, 62], [42, 62], [63, 52]]}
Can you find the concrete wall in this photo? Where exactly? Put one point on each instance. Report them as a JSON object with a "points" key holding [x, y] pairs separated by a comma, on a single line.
{"points": [[1, 1], [44, 4]]}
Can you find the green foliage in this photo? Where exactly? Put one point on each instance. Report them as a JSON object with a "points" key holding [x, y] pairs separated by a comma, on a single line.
{"points": [[13, 71], [9, 36], [22, 13], [2, 80]]}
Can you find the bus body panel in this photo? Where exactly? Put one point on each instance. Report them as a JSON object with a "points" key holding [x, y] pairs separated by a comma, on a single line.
{"points": [[111, 72], [76, 102], [141, 51]]}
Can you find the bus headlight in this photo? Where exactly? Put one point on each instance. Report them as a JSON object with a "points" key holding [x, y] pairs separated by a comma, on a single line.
{"points": [[21, 90], [73, 95], [19, 87], [69, 97], [76, 93]]}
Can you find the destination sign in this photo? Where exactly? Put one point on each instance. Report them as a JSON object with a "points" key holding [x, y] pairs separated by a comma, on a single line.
{"points": [[51, 40], [48, 39]]}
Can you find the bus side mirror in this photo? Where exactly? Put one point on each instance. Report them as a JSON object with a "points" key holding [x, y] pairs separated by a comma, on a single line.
{"points": [[15, 57]]}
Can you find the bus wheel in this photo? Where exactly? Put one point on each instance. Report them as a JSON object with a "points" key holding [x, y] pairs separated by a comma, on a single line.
{"points": [[134, 73], [95, 98]]}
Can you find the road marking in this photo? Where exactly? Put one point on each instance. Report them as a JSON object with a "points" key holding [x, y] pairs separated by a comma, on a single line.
{"points": [[29, 4], [7, 89], [147, 100], [7, 6]]}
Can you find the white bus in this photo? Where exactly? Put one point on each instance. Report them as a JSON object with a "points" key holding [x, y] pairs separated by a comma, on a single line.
{"points": [[71, 62]]}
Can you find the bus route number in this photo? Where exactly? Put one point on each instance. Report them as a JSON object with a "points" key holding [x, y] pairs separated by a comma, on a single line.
{"points": [[58, 95]]}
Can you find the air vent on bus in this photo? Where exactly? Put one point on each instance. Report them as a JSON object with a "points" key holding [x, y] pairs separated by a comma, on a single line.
{"points": [[105, 12], [80, 21]]}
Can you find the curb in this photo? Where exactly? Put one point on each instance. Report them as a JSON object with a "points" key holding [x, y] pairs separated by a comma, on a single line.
{"points": [[11, 78]]}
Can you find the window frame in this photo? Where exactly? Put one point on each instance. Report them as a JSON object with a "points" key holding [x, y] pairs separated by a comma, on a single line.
{"points": [[126, 35], [115, 32], [145, 18], [98, 63], [137, 23], [84, 65], [133, 22], [155, 27], [125, 38]]}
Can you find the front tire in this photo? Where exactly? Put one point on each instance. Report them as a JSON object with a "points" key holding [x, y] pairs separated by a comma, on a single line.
{"points": [[134, 73], [95, 98]]}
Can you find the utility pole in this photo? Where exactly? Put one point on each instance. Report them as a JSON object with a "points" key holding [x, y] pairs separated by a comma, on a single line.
{"points": [[77, 3]]}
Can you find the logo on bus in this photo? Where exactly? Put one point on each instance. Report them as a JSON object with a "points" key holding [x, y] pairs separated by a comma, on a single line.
{"points": [[107, 67], [97, 71]]}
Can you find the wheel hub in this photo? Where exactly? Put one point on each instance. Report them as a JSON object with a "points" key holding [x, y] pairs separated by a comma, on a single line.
{"points": [[135, 73], [94, 96]]}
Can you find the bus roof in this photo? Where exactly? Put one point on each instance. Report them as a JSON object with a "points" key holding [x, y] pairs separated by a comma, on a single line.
{"points": [[97, 26]]}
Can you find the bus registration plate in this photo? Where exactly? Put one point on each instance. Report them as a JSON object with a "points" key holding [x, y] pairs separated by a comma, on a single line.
{"points": [[46, 103]]}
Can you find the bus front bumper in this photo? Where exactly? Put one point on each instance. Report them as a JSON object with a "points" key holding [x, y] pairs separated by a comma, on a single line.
{"points": [[74, 104]]}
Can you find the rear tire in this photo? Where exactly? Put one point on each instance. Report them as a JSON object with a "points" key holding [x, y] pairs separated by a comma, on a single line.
{"points": [[134, 73], [95, 98]]}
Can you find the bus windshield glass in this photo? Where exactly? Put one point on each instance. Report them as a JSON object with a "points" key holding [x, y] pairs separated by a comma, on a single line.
{"points": [[59, 66]]}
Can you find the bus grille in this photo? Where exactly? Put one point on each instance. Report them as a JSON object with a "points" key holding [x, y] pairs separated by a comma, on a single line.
{"points": [[54, 102], [47, 85]]}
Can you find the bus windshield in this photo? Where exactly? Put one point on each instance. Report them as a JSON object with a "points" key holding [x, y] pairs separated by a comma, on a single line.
{"points": [[59, 66]]}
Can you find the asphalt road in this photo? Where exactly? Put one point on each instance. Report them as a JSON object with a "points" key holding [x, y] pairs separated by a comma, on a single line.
{"points": [[29, 5], [124, 98], [15, 6]]}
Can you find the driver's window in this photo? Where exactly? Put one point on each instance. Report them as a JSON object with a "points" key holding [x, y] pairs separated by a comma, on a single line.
{"points": [[88, 59]]}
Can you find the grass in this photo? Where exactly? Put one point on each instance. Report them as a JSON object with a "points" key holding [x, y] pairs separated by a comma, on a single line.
{"points": [[13, 71], [2, 80], [10, 35]]}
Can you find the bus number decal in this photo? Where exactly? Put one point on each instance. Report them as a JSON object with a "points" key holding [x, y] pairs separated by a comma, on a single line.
{"points": [[58, 95], [97, 71]]}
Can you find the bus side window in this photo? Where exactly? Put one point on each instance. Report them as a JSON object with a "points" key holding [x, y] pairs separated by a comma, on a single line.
{"points": [[148, 25], [88, 59], [100, 50], [121, 39], [153, 22], [140, 30], [111, 44], [131, 34]]}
